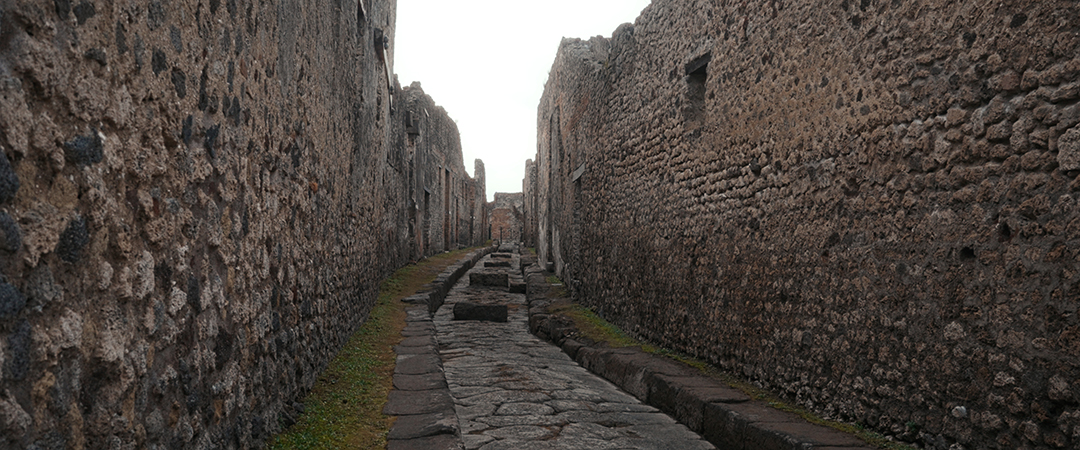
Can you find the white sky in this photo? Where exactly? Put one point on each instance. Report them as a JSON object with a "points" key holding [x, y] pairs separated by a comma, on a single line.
{"points": [[486, 62]]}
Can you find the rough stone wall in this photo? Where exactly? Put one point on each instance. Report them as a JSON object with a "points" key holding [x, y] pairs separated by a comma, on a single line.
{"points": [[197, 201], [505, 216], [441, 194], [479, 204], [529, 205], [868, 205]]}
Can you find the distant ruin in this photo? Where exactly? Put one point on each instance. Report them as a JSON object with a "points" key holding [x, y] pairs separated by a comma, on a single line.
{"points": [[506, 216], [198, 200], [870, 206]]}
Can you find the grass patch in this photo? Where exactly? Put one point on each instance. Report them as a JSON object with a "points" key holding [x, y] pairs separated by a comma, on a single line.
{"points": [[344, 408], [594, 327]]}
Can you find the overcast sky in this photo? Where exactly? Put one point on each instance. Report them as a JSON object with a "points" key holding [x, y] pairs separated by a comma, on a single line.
{"points": [[486, 62]]}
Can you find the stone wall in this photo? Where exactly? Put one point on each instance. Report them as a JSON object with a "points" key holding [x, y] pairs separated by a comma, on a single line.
{"points": [[870, 206], [442, 197], [197, 201], [506, 217], [529, 205], [479, 204]]}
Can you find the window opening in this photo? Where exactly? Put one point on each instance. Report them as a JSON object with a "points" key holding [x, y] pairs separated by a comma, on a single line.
{"points": [[697, 74]]}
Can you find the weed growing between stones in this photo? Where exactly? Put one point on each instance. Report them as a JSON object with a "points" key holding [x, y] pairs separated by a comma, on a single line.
{"points": [[344, 408]]}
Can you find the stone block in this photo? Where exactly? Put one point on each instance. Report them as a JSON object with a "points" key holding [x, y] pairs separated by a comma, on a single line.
{"points": [[1069, 150], [405, 403], [496, 279], [476, 311], [684, 398], [437, 442], [423, 382], [518, 287], [497, 264], [418, 299], [423, 425], [417, 364]]}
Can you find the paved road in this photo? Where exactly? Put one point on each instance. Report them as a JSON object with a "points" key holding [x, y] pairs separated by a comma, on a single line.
{"points": [[512, 391]]}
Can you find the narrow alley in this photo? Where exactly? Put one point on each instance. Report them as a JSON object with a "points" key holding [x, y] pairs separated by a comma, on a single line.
{"points": [[509, 389]]}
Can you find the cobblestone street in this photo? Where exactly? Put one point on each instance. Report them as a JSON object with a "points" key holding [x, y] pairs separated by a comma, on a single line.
{"points": [[513, 391]]}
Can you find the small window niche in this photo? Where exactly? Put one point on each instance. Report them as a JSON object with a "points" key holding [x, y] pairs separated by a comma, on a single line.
{"points": [[412, 126], [697, 74]]}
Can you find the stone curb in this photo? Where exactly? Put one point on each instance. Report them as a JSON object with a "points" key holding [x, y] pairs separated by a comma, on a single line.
{"points": [[725, 417], [421, 398]]}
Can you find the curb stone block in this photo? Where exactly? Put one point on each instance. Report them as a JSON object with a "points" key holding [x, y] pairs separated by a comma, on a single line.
{"points": [[626, 370], [536, 321], [685, 397], [571, 347], [737, 426], [417, 299], [800, 433]]}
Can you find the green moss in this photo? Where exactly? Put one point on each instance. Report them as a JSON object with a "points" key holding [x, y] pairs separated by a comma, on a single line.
{"points": [[344, 408]]}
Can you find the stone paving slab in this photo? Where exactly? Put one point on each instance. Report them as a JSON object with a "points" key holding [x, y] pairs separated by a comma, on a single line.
{"points": [[417, 364], [424, 425], [421, 398], [439, 442], [423, 382], [511, 390], [408, 403]]}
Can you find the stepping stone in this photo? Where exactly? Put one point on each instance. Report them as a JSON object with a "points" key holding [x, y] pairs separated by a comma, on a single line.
{"points": [[479, 278], [517, 287], [497, 264], [475, 311]]}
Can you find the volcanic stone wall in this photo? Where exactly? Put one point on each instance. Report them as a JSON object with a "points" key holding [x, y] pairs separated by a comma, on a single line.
{"points": [[506, 217], [478, 201], [442, 199], [529, 206], [198, 199], [870, 205]]}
